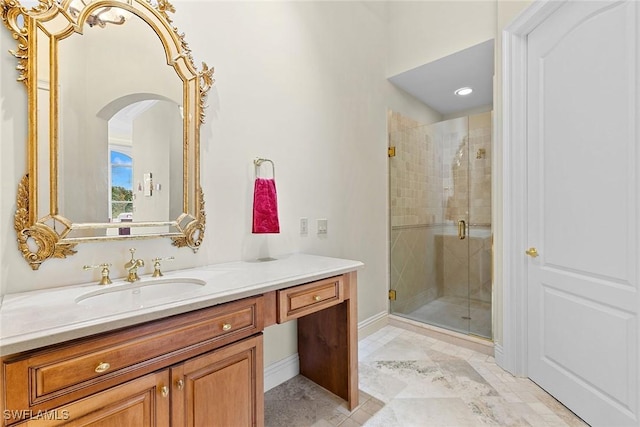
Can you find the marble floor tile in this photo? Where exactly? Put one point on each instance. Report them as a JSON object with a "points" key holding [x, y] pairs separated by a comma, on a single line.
{"points": [[407, 379], [436, 412]]}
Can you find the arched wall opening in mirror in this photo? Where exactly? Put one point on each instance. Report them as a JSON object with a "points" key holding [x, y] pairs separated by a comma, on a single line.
{"points": [[144, 184], [104, 77]]}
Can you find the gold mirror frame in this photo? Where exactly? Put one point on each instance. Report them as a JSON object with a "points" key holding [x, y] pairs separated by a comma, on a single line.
{"points": [[40, 239]]}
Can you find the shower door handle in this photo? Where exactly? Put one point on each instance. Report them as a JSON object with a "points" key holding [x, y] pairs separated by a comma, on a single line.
{"points": [[462, 229]]}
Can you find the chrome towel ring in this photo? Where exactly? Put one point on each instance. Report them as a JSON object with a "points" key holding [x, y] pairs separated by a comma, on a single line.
{"points": [[258, 162]]}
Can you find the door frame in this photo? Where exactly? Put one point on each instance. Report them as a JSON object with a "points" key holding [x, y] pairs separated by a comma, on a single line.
{"points": [[511, 354]]}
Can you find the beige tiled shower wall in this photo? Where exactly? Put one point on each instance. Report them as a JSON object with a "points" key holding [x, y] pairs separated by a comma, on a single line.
{"points": [[416, 174], [463, 267], [452, 138], [413, 267], [480, 168], [466, 148]]}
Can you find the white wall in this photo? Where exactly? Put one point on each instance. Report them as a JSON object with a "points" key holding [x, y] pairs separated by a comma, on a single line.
{"points": [[154, 132], [303, 86], [302, 83], [423, 31]]}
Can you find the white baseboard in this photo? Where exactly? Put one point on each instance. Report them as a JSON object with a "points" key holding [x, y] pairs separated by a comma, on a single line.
{"points": [[281, 371], [498, 354], [372, 324], [287, 368]]}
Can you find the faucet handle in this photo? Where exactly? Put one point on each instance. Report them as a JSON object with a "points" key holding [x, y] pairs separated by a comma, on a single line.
{"points": [[156, 265], [104, 280], [133, 251]]}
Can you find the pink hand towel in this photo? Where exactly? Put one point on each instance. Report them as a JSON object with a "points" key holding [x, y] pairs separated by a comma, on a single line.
{"points": [[265, 207]]}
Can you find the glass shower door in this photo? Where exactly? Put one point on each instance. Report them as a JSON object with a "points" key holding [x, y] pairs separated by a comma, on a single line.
{"points": [[429, 247], [440, 210]]}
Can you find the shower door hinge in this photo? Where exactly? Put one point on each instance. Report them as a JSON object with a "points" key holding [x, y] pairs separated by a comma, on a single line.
{"points": [[392, 294], [391, 151]]}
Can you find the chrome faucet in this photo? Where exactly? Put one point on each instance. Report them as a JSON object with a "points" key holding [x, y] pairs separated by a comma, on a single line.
{"points": [[132, 267]]}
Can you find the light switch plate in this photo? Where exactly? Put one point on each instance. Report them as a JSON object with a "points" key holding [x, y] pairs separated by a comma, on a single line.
{"points": [[147, 179], [323, 226]]}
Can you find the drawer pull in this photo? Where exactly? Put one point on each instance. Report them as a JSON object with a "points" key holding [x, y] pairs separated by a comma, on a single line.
{"points": [[226, 327], [317, 298], [165, 391], [180, 384], [102, 367]]}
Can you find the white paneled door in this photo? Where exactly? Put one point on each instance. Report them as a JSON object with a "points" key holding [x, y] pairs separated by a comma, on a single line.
{"points": [[583, 209]]}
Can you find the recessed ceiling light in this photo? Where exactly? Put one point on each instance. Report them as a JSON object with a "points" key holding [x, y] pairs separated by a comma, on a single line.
{"points": [[463, 91]]}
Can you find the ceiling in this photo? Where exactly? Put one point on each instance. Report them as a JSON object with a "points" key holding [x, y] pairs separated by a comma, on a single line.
{"points": [[121, 123], [435, 83]]}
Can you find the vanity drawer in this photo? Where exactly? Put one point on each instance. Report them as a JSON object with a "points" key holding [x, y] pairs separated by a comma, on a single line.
{"points": [[65, 372], [306, 299]]}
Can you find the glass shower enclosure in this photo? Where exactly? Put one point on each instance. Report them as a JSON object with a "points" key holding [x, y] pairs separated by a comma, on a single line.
{"points": [[440, 240]]}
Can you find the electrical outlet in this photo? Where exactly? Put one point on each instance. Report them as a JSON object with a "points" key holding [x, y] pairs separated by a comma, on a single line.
{"points": [[322, 227], [304, 226]]}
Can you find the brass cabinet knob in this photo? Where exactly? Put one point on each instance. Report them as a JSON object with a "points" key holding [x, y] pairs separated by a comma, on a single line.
{"points": [[317, 298], [165, 391], [180, 384], [532, 252], [226, 327], [102, 367]]}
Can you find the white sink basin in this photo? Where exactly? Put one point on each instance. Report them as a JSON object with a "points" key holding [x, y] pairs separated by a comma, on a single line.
{"points": [[139, 295]]}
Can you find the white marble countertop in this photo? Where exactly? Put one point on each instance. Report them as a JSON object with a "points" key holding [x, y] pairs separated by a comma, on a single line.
{"points": [[30, 320]]}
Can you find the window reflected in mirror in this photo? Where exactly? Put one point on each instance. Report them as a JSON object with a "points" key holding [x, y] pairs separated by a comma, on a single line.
{"points": [[121, 191]]}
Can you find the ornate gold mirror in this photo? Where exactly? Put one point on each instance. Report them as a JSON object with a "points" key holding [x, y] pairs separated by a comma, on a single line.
{"points": [[115, 108]]}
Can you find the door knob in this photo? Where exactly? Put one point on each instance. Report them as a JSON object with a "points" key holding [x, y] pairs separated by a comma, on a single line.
{"points": [[532, 252]]}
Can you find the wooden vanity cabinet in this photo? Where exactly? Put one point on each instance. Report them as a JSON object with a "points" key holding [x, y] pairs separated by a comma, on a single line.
{"points": [[221, 388], [158, 373], [141, 402], [302, 300]]}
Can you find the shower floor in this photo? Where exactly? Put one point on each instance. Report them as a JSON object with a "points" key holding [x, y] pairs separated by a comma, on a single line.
{"points": [[451, 313]]}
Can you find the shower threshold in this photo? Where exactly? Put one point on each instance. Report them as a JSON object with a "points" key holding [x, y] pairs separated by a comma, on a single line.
{"points": [[473, 342]]}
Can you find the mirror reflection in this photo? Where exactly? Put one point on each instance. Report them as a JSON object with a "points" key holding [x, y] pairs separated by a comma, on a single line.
{"points": [[143, 156], [119, 117]]}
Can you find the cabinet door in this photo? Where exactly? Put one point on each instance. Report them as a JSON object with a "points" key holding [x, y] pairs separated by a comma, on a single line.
{"points": [[142, 402], [221, 388]]}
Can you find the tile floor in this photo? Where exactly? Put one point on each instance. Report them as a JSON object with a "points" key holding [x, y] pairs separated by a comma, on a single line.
{"points": [[408, 379]]}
